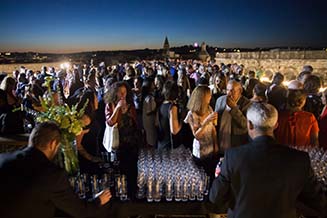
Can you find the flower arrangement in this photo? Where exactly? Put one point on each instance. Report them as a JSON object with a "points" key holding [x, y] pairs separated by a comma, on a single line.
{"points": [[69, 119]]}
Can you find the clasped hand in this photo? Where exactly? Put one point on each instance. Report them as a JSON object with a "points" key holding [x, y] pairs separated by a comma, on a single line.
{"points": [[122, 104], [211, 117], [231, 102]]}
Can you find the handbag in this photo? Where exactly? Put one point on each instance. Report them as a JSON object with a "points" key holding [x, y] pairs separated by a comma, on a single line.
{"points": [[111, 138]]}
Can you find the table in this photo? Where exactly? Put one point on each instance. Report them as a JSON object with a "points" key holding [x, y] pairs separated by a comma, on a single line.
{"points": [[134, 208], [143, 208], [202, 209], [118, 209]]}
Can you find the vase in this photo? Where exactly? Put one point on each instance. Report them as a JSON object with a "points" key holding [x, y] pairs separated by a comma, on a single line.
{"points": [[69, 154]]}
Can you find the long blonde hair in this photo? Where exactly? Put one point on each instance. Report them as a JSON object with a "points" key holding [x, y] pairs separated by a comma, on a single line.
{"points": [[196, 103]]}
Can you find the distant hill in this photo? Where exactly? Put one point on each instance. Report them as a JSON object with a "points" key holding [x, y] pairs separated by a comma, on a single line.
{"points": [[111, 57]]}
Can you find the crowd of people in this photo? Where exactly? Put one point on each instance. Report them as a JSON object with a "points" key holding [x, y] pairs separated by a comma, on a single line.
{"points": [[151, 99], [163, 104]]}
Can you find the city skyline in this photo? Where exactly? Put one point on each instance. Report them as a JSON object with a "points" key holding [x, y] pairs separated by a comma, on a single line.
{"points": [[66, 26]]}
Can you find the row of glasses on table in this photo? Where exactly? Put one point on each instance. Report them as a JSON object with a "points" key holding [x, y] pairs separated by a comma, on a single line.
{"points": [[109, 177], [88, 186], [170, 175], [318, 158], [111, 161]]}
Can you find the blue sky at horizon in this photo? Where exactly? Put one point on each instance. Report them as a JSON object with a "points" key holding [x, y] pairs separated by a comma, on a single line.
{"points": [[72, 26]]}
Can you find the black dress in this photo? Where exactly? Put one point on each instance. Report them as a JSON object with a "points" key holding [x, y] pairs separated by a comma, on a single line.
{"points": [[90, 144], [166, 140], [129, 142], [164, 136]]}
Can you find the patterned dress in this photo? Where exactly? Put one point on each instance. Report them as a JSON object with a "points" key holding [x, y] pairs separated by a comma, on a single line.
{"points": [[204, 146]]}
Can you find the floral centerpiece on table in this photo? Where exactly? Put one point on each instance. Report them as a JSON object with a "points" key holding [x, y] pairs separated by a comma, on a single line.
{"points": [[69, 120]]}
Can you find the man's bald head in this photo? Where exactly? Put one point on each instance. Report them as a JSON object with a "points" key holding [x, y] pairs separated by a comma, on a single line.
{"points": [[235, 84]]}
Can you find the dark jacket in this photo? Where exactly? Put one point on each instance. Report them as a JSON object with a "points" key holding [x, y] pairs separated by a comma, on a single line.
{"points": [[11, 122], [264, 179], [32, 186]]}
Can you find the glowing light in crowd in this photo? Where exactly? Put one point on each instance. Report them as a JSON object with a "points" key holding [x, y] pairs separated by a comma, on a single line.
{"points": [[196, 44], [265, 79], [285, 83], [65, 65], [322, 89]]}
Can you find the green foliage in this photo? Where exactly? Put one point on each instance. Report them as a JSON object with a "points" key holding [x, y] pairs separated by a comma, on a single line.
{"points": [[69, 119]]}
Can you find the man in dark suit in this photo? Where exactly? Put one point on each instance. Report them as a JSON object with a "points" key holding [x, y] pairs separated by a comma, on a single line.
{"points": [[32, 186], [231, 110], [263, 178]]}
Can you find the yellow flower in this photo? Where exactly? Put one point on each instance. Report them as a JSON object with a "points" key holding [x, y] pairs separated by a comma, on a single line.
{"points": [[65, 123], [76, 127]]}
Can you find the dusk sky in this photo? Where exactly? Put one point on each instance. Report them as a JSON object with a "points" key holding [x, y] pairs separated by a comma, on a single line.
{"points": [[72, 26]]}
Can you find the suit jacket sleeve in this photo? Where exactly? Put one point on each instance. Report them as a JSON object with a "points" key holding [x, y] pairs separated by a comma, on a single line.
{"points": [[218, 104], [238, 114], [64, 198], [221, 192]]}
